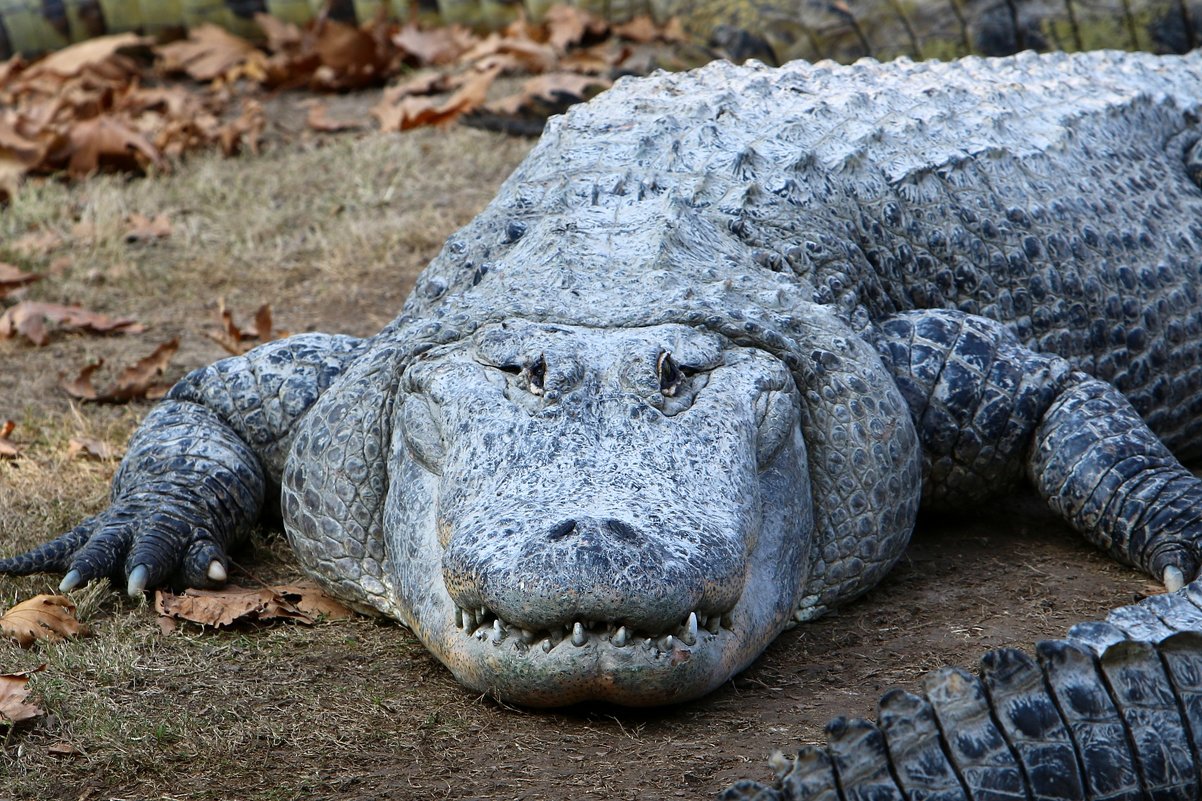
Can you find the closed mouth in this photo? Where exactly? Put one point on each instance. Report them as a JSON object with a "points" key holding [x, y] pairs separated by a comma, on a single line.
{"points": [[695, 631]]}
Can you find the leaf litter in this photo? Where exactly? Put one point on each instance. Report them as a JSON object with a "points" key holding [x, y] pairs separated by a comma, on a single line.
{"points": [[124, 103]]}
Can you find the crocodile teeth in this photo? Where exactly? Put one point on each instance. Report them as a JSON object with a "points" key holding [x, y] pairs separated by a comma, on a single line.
{"points": [[713, 624], [528, 636], [667, 643], [688, 635], [619, 639], [579, 638], [498, 626], [547, 646], [728, 621], [469, 621]]}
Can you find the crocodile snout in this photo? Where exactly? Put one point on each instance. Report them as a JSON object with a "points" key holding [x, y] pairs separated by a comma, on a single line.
{"points": [[597, 569]]}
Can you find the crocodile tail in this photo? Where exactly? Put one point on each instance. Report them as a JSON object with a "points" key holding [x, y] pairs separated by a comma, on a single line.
{"points": [[1113, 711]]}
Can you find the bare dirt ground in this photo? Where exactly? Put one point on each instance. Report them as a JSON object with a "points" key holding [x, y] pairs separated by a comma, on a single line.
{"points": [[332, 232]]}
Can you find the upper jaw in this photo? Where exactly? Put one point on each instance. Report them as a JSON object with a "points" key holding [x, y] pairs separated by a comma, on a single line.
{"points": [[603, 661]]}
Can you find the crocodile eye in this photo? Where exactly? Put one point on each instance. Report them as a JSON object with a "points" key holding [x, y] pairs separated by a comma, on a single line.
{"points": [[670, 375], [536, 374]]}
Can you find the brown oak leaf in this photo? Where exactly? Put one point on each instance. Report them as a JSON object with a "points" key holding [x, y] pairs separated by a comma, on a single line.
{"points": [[42, 617]]}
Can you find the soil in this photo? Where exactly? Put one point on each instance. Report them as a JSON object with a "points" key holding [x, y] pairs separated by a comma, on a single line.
{"points": [[358, 710]]}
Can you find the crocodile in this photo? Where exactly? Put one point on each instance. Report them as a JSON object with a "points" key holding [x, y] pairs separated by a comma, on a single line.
{"points": [[771, 30], [689, 377]]}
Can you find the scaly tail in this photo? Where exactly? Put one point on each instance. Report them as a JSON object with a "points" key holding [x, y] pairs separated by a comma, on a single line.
{"points": [[1113, 711]]}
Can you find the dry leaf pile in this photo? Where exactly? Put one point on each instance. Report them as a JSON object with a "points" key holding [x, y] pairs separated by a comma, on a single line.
{"points": [[302, 603], [42, 617], [117, 102]]}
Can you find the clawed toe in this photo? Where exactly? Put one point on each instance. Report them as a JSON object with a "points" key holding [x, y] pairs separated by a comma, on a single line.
{"points": [[1173, 578]]}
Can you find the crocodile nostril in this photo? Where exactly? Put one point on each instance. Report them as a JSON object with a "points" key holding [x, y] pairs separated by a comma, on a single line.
{"points": [[623, 531], [562, 530]]}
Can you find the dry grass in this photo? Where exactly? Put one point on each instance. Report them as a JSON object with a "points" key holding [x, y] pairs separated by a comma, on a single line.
{"points": [[332, 233]]}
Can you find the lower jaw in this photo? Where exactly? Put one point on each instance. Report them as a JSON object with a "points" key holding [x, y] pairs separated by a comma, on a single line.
{"points": [[643, 672]]}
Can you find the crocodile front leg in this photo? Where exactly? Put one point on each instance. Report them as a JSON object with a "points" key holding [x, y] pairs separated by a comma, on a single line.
{"points": [[991, 413], [198, 469]]}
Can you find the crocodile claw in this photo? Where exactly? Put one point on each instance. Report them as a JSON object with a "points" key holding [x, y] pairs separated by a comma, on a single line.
{"points": [[138, 579], [1174, 579], [70, 581], [216, 572]]}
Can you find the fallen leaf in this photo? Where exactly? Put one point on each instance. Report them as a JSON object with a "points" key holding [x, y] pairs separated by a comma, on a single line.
{"points": [[73, 59], [412, 112], [568, 25], [13, 692], [140, 228], [436, 46], [281, 36], [346, 49], [641, 29], [208, 52], [63, 749], [238, 340], [28, 319], [106, 141], [12, 279], [12, 170], [534, 56], [139, 380], [8, 448], [81, 386], [92, 449], [42, 617], [319, 120], [556, 85], [304, 603], [247, 128], [36, 243], [312, 600]]}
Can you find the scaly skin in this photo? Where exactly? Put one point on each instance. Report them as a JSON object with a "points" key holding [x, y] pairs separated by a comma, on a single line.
{"points": [[688, 378], [771, 30]]}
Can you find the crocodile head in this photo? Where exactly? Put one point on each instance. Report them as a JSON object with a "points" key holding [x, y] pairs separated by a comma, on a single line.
{"points": [[579, 513]]}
